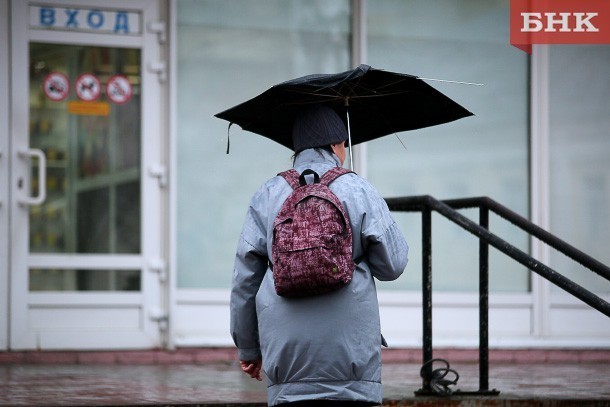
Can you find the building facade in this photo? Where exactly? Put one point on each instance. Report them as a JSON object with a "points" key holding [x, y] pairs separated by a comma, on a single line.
{"points": [[120, 209]]}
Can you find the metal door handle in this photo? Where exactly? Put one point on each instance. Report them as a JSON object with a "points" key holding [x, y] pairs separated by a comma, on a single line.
{"points": [[42, 176]]}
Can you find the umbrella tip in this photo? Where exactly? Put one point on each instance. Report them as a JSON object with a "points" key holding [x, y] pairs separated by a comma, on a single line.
{"points": [[449, 81]]}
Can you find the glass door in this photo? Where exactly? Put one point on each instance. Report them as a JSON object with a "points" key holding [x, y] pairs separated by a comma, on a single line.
{"points": [[92, 157], [83, 255]]}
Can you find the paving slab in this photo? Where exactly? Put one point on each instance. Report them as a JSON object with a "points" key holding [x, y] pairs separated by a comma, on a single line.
{"points": [[222, 384]]}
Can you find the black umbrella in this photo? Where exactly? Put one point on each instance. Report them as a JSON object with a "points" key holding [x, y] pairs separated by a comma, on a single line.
{"points": [[374, 103]]}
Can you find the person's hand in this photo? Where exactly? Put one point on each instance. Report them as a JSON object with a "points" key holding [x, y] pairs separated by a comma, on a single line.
{"points": [[252, 368]]}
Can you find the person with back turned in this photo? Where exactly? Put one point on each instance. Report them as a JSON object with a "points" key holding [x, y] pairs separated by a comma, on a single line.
{"points": [[323, 349]]}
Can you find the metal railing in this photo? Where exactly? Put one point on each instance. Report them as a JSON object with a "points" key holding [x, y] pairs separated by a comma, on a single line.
{"points": [[448, 208]]}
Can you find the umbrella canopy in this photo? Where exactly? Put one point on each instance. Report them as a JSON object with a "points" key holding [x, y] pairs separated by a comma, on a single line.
{"points": [[378, 102]]}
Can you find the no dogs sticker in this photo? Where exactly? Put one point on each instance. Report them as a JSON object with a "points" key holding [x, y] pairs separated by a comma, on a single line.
{"points": [[88, 87]]}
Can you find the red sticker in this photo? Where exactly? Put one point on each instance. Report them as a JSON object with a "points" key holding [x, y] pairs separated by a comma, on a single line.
{"points": [[119, 89], [56, 86], [88, 87]]}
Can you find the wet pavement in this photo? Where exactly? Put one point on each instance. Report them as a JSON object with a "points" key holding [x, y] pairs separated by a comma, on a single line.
{"points": [[220, 383], [75, 385]]}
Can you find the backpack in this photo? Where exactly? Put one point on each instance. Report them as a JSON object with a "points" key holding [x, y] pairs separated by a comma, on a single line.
{"points": [[312, 238]]}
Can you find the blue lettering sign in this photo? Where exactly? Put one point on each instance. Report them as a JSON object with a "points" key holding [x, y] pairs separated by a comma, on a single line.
{"points": [[119, 22], [71, 18], [122, 22], [47, 16], [95, 19]]}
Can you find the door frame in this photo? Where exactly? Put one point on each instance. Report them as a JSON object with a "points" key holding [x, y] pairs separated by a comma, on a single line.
{"points": [[147, 307], [4, 174]]}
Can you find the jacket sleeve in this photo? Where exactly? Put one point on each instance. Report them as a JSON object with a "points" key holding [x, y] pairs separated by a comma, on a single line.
{"points": [[250, 267], [385, 247]]}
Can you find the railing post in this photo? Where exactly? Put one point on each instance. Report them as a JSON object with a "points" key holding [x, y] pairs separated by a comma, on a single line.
{"points": [[426, 204], [483, 303], [484, 307], [427, 294]]}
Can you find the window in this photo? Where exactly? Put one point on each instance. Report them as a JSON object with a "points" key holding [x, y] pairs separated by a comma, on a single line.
{"points": [[579, 119], [484, 155], [229, 51]]}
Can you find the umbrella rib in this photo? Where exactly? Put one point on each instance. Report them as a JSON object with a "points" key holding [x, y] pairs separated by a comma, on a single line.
{"points": [[352, 94], [338, 95]]}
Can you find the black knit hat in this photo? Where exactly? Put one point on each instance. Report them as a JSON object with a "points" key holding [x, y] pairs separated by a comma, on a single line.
{"points": [[317, 126]]}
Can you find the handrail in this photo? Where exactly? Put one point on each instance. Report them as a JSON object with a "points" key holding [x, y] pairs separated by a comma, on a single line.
{"points": [[448, 208], [535, 230]]}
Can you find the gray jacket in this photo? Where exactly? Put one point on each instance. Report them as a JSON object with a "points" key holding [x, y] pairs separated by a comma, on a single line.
{"points": [[327, 346]]}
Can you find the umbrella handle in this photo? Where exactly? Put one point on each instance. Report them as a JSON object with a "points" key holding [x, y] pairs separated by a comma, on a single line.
{"points": [[349, 139]]}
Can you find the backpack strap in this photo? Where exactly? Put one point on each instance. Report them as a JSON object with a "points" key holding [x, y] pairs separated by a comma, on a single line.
{"points": [[292, 177], [316, 177], [332, 174]]}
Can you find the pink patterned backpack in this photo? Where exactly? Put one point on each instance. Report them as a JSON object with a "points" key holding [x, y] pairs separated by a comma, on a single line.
{"points": [[312, 238]]}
